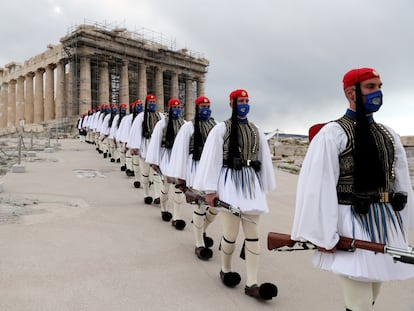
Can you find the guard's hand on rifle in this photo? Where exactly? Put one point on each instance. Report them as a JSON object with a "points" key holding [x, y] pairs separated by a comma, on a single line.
{"points": [[134, 151], [210, 197], [180, 184], [324, 250], [156, 169]]}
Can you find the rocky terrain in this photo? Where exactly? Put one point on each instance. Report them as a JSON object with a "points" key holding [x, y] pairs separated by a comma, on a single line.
{"points": [[287, 153]]}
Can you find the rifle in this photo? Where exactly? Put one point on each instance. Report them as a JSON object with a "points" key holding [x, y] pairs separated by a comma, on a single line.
{"points": [[168, 179], [279, 240], [194, 198]]}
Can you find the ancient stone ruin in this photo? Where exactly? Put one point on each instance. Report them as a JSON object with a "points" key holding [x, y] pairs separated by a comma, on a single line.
{"points": [[93, 65]]}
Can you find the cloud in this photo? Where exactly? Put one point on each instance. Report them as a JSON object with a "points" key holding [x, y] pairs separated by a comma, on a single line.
{"points": [[289, 55]]}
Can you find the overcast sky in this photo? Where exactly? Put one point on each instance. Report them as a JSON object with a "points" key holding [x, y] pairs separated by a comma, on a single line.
{"points": [[289, 55]]}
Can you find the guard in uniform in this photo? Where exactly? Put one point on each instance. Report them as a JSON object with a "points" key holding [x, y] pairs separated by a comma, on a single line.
{"points": [[185, 156], [236, 167], [158, 156], [139, 140], [354, 182]]}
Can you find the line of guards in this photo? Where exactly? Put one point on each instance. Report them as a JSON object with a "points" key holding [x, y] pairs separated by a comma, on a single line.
{"points": [[165, 152]]}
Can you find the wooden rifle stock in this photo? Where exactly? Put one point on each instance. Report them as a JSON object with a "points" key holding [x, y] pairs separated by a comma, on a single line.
{"points": [[277, 240], [348, 244], [194, 198]]}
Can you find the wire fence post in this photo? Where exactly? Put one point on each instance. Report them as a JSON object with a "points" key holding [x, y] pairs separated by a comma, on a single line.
{"points": [[19, 149], [57, 134], [31, 140], [48, 138]]}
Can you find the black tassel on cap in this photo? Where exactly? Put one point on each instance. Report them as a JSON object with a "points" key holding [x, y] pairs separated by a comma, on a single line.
{"points": [[369, 173], [234, 149], [145, 129], [169, 135], [197, 144]]}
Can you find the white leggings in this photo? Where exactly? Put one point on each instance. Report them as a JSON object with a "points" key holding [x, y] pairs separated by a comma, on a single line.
{"points": [[359, 296], [231, 225]]}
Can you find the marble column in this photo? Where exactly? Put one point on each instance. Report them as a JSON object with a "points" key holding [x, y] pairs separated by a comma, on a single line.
{"points": [[38, 108], [20, 100], [85, 97], [200, 87], [71, 89], [142, 81], [159, 88], [103, 83], [60, 90], [49, 103], [174, 85], [124, 87], [4, 94], [29, 98], [189, 102], [11, 115]]}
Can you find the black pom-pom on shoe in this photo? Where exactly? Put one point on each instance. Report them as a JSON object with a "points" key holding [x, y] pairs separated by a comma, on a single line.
{"points": [[137, 184], [230, 279], [166, 216], [179, 224], [129, 173], [203, 253], [148, 200], [266, 291]]}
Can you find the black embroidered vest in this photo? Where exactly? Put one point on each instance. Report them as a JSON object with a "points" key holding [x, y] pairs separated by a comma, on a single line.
{"points": [[152, 118], [249, 142], [177, 123], [205, 127], [386, 148]]}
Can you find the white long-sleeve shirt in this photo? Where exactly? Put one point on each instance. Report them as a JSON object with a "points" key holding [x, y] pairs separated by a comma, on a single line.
{"points": [[320, 219]]}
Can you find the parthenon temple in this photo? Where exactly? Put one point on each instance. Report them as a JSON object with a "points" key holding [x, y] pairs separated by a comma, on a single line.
{"points": [[93, 65]]}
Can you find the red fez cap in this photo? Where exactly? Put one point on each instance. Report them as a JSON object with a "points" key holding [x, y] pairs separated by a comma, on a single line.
{"points": [[358, 75], [138, 102], [238, 93], [202, 100], [150, 97], [174, 102], [133, 103], [113, 106], [122, 106], [106, 106]]}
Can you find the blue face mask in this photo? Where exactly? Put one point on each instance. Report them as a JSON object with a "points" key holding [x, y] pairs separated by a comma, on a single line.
{"points": [[151, 107], [138, 108], [114, 110], [243, 110], [373, 101], [205, 113], [175, 113], [107, 110], [123, 112]]}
